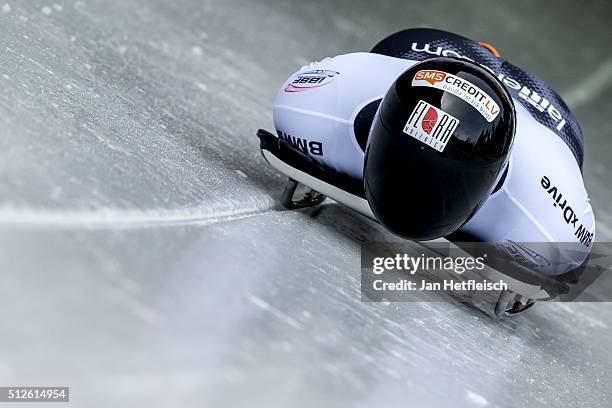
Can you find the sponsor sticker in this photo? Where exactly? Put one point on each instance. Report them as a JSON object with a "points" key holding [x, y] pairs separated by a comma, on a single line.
{"points": [[459, 87], [312, 147], [311, 80], [431, 125], [583, 233]]}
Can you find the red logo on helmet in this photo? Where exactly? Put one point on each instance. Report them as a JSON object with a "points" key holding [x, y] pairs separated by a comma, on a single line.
{"points": [[429, 120], [431, 125]]}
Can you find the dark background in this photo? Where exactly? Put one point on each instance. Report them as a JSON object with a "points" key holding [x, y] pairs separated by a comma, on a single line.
{"points": [[145, 260]]}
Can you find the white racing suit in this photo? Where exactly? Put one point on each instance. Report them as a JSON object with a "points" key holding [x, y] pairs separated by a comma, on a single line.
{"points": [[326, 110]]}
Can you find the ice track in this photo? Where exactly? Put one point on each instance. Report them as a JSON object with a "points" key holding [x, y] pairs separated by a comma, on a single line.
{"points": [[145, 260]]}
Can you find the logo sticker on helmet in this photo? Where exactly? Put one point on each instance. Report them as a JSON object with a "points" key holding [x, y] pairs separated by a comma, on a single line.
{"points": [[461, 88], [310, 80], [430, 125]]}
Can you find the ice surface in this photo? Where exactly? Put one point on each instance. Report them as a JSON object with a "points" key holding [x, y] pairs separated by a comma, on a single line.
{"points": [[145, 258], [212, 315]]}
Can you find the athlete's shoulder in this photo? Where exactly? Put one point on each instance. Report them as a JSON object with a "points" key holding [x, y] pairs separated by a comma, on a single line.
{"points": [[332, 69], [335, 86]]}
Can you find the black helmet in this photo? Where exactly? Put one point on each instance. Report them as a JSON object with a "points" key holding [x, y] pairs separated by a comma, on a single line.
{"points": [[439, 141]]}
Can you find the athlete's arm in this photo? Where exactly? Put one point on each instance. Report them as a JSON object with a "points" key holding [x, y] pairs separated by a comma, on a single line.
{"points": [[541, 200]]}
